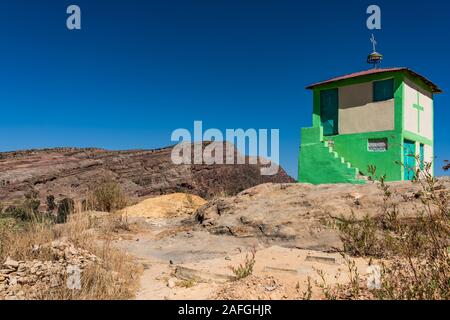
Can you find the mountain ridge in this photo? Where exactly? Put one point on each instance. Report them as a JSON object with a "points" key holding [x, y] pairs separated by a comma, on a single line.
{"points": [[69, 172]]}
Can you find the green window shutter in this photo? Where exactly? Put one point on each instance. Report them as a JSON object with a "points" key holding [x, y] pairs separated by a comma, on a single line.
{"points": [[329, 111], [383, 90]]}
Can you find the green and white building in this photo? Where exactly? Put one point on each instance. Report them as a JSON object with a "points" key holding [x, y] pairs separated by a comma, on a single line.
{"points": [[379, 117]]}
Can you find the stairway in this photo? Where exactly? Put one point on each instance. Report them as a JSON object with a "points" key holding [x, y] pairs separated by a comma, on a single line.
{"points": [[320, 163], [353, 172]]}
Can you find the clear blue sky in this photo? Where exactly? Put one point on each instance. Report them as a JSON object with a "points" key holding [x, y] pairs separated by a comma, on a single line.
{"points": [[140, 69]]}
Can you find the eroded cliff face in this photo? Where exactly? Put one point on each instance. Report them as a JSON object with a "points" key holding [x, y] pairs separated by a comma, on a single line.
{"points": [[69, 172]]}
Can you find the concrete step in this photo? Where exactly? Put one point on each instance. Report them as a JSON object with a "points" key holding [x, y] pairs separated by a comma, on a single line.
{"points": [[342, 160]]}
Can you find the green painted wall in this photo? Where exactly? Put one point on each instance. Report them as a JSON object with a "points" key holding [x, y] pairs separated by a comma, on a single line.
{"points": [[354, 148], [319, 164]]}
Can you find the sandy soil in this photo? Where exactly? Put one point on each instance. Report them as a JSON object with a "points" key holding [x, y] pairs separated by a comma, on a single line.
{"points": [[183, 263], [171, 205]]}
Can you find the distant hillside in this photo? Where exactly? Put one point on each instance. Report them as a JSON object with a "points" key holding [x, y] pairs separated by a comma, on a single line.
{"points": [[68, 172]]}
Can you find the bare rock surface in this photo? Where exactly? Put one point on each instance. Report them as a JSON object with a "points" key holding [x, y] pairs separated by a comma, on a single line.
{"points": [[296, 214], [68, 172]]}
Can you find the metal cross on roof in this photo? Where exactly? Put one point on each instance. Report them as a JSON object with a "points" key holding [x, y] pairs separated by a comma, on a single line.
{"points": [[375, 57], [374, 43]]}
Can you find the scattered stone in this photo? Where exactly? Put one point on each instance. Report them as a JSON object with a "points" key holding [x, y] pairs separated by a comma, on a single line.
{"points": [[10, 263], [171, 283], [282, 270], [26, 279], [201, 276], [270, 288], [6, 271], [54, 281], [328, 260], [251, 287], [12, 281], [22, 267]]}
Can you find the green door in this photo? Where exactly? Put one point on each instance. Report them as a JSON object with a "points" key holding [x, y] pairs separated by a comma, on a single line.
{"points": [[409, 160], [329, 111]]}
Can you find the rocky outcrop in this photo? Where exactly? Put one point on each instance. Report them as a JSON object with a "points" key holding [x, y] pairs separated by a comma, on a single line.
{"points": [[68, 172], [297, 214]]}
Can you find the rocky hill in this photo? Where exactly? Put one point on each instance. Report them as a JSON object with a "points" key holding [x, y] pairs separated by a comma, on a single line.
{"points": [[69, 172]]}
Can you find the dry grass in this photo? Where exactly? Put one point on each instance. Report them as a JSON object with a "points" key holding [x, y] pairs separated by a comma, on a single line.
{"points": [[114, 278], [186, 283], [107, 196], [416, 252]]}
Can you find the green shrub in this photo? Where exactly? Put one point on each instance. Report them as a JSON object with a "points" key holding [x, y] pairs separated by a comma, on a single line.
{"points": [[51, 204], [65, 208], [17, 212], [246, 269]]}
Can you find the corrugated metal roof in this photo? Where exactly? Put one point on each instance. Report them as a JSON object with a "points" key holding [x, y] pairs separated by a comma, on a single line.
{"points": [[433, 87]]}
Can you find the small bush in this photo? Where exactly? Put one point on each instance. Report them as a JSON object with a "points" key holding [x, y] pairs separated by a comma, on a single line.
{"points": [[107, 197], [51, 204], [116, 223], [186, 283], [29, 209], [17, 212], [65, 208], [246, 269], [359, 238], [417, 249]]}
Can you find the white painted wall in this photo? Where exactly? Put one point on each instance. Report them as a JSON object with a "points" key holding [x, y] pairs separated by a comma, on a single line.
{"points": [[411, 91], [428, 156]]}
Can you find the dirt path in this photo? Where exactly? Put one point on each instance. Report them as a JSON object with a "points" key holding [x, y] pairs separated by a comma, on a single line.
{"points": [[164, 244], [182, 262]]}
